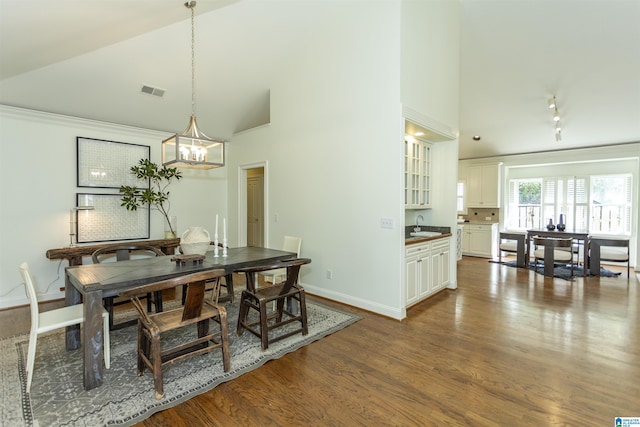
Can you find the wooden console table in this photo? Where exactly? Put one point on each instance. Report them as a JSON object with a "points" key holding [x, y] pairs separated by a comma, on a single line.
{"points": [[74, 254]]}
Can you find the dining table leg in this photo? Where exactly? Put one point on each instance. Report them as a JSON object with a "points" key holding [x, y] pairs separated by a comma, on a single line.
{"points": [[585, 257], [548, 260], [93, 356], [72, 334]]}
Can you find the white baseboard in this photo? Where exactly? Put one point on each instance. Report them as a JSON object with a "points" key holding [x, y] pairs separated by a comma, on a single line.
{"points": [[17, 302], [375, 307]]}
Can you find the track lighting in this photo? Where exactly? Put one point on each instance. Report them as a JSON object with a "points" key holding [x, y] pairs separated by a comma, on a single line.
{"points": [[556, 117]]}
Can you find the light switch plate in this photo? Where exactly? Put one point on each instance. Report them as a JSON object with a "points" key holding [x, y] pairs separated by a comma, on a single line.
{"points": [[386, 222]]}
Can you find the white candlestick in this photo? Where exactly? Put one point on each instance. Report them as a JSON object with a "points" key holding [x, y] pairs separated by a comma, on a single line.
{"points": [[215, 239], [224, 229]]}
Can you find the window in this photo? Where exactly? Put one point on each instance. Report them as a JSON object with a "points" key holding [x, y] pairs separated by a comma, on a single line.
{"points": [[460, 196], [525, 196], [611, 204], [598, 203]]}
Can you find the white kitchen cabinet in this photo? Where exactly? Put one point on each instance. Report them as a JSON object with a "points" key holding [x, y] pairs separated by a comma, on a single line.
{"points": [[417, 174], [465, 239], [427, 269], [480, 240], [418, 275], [483, 186], [440, 255], [459, 241]]}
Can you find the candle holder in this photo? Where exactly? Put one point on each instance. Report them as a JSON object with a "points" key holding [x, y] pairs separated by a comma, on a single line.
{"points": [[215, 245], [224, 247]]}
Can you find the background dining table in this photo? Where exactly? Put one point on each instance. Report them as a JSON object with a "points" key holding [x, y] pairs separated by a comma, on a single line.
{"points": [[580, 236], [89, 284]]}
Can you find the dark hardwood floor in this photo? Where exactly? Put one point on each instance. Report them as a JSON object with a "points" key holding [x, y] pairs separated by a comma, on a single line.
{"points": [[507, 348]]}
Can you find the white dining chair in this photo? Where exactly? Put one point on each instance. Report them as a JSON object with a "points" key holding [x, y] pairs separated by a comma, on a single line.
{"points": [[54, 319], [289, 244]]}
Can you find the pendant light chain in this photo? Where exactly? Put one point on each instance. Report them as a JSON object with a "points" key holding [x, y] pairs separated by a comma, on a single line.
{"points": [[192, 5]]}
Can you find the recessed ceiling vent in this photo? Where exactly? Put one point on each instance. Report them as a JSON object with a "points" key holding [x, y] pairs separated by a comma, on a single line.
{"points": [[155, 91]]}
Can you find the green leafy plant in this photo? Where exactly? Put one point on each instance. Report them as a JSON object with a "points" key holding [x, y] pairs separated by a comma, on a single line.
{"points": [[157, 195]]}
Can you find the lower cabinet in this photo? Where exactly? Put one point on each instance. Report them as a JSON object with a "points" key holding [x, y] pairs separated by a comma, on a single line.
{"points": [[480, 240], [440, 254], [427, 269]]}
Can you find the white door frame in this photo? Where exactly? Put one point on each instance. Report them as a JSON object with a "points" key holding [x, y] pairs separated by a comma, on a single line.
{"points": [[242, 201]]}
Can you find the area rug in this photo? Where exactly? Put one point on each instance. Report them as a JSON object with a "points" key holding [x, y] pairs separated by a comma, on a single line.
{"points": [[58, 398], [562, 272]]}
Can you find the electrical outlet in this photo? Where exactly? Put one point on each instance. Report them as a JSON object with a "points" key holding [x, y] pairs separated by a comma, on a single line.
{"points": [[386, 222], [329, 274]]}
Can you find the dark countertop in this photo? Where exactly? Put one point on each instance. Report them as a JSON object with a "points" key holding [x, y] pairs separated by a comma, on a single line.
{"points": [[417, 239]]}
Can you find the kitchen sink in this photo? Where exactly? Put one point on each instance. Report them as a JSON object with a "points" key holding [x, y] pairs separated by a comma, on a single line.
{"points": [[425, 233]]}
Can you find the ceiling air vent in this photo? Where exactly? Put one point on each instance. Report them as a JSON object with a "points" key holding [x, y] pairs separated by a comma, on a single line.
{"points": [[155, 91]]}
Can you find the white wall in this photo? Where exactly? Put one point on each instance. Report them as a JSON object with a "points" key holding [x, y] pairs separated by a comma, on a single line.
{"points": [[334, 154], [38, 187], [430, 61]]}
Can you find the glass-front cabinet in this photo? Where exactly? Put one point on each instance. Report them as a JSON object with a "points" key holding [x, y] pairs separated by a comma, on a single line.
{"points": [[417, 174]]}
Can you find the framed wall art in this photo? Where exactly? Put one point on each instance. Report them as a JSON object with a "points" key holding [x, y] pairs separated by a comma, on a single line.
{"points": [[109, 221], [107, 164]]}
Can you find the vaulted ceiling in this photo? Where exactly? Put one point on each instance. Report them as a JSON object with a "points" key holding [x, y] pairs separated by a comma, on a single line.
{"points": [[91, 58]]}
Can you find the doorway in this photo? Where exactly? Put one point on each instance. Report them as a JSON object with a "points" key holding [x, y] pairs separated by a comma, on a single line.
{"points": [[255, 207], [253, 189]]}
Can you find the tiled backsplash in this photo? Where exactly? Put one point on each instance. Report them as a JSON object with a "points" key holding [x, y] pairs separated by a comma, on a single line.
{"points": [[481, 215]]}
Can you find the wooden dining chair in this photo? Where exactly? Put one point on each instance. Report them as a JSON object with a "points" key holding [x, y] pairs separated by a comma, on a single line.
{"points": [[122, 252], [54, 319], [218, 285], [513, 243], [196, 311], [553, 251], [256, 299], [608, 249], [289, 244]]}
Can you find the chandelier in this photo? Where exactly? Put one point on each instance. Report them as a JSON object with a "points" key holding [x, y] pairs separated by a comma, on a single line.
{"points": [[192, 148]]}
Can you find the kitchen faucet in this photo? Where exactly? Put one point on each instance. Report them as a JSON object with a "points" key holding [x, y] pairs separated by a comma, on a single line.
{"points": [[418, 218]]}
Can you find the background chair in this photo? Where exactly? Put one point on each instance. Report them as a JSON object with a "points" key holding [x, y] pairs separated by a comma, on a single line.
{"points": [[514, 243], [553, 251], [257, 299], [54, 319], [123, 253], [218, 285], [196, 311], [289, 244], [613, 250]]}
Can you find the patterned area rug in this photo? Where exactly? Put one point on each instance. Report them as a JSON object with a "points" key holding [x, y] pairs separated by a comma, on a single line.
{"points": [[562, 272], [58, 398]]}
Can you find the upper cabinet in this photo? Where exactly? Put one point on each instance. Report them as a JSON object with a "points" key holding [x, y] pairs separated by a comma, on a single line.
{"points": [[483, 185], [417, 174]]}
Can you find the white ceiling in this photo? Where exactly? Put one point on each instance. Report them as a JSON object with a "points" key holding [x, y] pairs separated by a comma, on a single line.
{"points": [[90, 59]]}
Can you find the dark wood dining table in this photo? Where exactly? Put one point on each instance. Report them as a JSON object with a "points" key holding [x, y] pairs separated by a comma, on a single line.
{"points": [[580, 236], [89, 284]]}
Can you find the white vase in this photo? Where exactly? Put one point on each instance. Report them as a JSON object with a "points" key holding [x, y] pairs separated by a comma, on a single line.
{"points": [[195, 240]]}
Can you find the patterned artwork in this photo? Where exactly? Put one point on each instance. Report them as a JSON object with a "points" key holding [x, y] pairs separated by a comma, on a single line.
{"points": [[106, 164], [108, 220]]}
